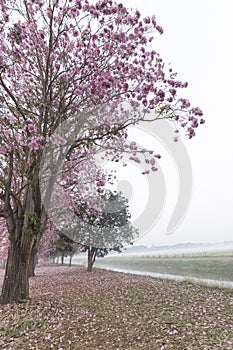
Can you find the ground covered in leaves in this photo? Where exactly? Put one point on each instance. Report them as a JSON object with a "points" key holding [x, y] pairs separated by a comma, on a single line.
{"points": [[71, 309]]}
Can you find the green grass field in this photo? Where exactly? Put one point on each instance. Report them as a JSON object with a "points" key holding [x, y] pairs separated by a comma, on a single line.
{"points": [[212, 266]]}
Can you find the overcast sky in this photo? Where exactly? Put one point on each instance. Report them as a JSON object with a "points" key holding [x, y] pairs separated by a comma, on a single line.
{"points": [[197, 40]]}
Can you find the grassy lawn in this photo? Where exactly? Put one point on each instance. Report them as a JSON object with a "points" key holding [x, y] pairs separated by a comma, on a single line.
{"points": [[209, 267], [71, 309]]}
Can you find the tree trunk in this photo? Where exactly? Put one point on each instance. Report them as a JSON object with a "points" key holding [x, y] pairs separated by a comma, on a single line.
{"points": [[91, 258], [71, 256], [16, 280], [23, 224], [26, 219], [33, 261], [62, 259]]}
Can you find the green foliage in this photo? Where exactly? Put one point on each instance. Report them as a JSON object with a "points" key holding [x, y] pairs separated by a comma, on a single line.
{"points": [[111, 227], [35, 224]]}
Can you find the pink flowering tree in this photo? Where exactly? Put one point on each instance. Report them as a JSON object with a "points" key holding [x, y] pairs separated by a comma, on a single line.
{"points": [[58, 60]]}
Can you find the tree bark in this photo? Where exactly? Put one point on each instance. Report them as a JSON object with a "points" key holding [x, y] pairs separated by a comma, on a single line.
{"points": [[16, 280], [33, 261]]}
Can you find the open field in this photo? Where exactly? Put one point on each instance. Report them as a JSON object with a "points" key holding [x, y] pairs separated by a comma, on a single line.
{"points": [[71, 309], [211, 266]]}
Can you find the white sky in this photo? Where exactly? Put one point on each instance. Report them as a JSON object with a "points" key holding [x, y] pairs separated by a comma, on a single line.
{"points": [[197, 40]]}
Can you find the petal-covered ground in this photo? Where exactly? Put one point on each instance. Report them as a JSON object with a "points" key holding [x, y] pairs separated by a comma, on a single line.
{"points": [[71, 309]]}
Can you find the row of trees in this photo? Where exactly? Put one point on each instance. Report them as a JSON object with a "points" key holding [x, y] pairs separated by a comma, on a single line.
{"points": [[72, 64], [62, 248], [114, 217]]}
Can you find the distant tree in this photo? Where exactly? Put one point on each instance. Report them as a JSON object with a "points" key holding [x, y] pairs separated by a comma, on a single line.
{"points": [[64, 247], [111, 229]]}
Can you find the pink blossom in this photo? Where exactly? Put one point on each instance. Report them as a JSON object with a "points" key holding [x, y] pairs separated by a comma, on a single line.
{"points": [[7, 132], [12, 119], [33, 145], [31, 128], [2, 151]]}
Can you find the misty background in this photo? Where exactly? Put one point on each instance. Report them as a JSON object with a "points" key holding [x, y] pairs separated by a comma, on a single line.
{"points": [[197, 43]]}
